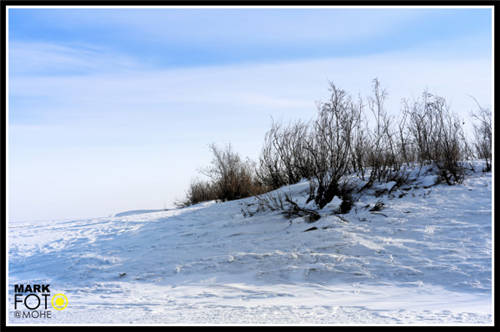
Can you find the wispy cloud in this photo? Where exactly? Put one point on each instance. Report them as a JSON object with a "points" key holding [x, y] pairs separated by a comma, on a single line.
{"points": [[186, 37], [48, 58], [293, 86]]}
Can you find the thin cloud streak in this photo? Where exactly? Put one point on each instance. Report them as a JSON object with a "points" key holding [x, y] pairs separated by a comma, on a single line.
{"points": [[197, 37]]}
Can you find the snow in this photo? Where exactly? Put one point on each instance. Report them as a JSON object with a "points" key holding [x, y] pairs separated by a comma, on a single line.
{"points": [[132, 212], [425, 258]]}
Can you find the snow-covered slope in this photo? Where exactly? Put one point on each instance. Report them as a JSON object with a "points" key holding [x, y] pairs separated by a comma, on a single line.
{"points": [[424, 259]]}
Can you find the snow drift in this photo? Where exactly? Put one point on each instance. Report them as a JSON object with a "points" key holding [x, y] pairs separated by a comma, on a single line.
{"points": [[425, 258]]}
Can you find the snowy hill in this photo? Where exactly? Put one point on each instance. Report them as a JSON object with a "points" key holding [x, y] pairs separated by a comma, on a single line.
{"points": [[425, 258]]}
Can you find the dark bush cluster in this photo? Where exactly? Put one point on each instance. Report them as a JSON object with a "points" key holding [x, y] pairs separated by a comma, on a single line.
{"points": [[483, 135], [199, 191], [283, 158], [230, 178], [437, 136], [351, 136], [330, 145]]}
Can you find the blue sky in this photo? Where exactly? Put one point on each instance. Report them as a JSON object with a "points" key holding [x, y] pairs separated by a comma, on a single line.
{"points": [[113, 109], [169, 38]]}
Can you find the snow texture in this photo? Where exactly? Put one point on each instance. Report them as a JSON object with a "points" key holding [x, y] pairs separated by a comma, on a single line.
{"points": [[425, 258]]}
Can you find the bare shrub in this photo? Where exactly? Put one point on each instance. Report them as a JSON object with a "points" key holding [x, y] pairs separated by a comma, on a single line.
{"points": [[232, 178], [483, 135], [382, 154], [330, 145], [406, 147], [438, 136], [282, 202], [199, 191], [283, 158], [270, 170]]}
